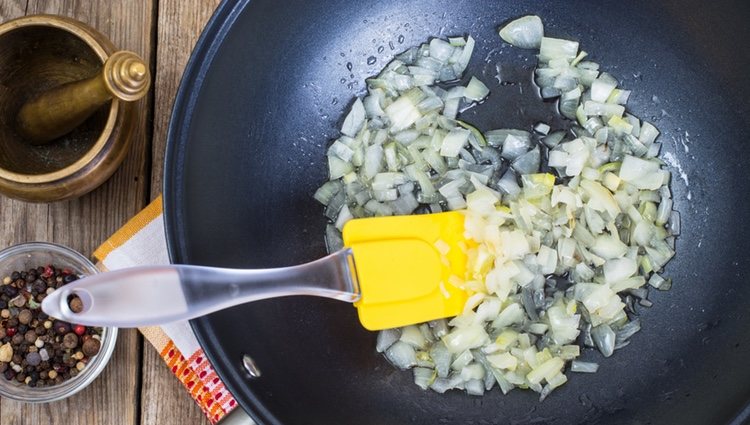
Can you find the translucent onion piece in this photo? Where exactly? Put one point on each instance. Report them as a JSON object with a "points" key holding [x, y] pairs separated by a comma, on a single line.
{"points": [[525, 32]]}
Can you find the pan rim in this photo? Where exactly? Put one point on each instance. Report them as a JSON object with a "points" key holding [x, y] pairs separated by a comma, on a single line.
{"points": [[188, 91]]}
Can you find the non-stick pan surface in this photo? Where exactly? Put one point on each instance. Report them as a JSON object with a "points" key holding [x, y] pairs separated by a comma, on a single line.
{"points": [[264, 93]]}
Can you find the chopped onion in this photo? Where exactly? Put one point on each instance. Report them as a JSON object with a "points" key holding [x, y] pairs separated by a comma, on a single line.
{"points": [[355, 120], [461, 339], [604, 338], [555, 48], [402, 355], [424, 377], [583, 367], [386, 338], [476, 90], [454, 142], [515, 146], [525, 32], [593, 206]]}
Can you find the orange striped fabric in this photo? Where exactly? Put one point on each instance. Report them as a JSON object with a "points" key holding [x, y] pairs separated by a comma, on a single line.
{"points": [[201, 381], [147, 215]]}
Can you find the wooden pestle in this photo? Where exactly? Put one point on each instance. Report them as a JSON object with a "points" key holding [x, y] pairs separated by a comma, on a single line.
{"points": [[58, 111]]}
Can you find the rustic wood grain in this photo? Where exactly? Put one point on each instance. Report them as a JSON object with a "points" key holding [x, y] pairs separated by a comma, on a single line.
{"points": [[10, 9], [180, 22], [84, 223]]}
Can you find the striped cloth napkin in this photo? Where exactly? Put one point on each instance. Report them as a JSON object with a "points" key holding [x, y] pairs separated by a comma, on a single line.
{"points": [[141, 242]]}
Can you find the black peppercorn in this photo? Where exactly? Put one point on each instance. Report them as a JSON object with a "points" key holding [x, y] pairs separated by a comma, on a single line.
{"points": [[39, 286], [61, 327], [30, 336], [10, 291], [25, 316], [91, 347], [75, 304], [15, 275], [70, 278], [70, 340]]}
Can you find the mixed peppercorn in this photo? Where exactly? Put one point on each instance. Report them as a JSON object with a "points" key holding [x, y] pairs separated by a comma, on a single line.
{"points": [[36, 349]]}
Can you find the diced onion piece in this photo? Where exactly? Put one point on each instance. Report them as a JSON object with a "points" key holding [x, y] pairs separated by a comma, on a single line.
{"points": [[601, 89], [461, 339], [402, 113], [515, 146], [604, 338], [386, 338], [591, 107], [641, 173], [454, 142], [583, 367], [424, 377], [609, 247], [440, 49], [337, 167], [556, 48], [525, 32], [327, 191], [402, 355], [618, 269], [503, 361], [547, 369], [476, 90], [355, 120]]}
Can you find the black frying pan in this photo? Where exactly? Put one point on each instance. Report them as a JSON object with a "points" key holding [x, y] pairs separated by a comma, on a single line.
{"points": [[263, 94]]}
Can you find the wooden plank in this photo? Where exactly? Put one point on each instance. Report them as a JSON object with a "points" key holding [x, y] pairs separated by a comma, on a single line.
{"points": [[163, 399], [180, 23], [84, 223], [10, 9]]}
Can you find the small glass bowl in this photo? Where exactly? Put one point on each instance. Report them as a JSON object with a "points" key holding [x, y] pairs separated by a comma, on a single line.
{"points": [[32, 254]]}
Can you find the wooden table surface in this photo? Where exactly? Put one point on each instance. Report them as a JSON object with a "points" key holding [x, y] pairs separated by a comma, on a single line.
{"points": [[136, 387]]}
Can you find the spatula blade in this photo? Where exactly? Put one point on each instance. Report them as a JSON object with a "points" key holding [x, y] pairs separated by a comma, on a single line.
{"points": [[404, 265]]}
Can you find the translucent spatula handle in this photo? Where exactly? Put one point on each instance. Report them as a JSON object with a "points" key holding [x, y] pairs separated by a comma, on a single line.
{"points": [[153, 295]]}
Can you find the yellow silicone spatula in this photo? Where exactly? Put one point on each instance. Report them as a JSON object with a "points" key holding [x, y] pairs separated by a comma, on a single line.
{"points": [[403, 275], [396, 271]]}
